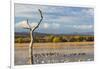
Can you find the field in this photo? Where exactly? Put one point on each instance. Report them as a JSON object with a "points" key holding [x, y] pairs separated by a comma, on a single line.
{"points": [[60, 52]]}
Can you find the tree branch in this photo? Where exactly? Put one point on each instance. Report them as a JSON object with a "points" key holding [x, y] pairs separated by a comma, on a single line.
{"points": [[40, 20], [29, 27], [33, 28]]}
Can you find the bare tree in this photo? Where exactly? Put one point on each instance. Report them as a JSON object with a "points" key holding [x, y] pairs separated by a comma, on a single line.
{"points": [[32, 29]]}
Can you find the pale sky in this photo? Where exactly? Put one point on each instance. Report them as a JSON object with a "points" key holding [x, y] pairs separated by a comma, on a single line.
{"points": [[57, 19]]}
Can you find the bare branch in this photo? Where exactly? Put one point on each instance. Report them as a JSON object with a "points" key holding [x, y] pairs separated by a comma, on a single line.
{"points": [[40, 13], [40, 20], [28, 25]]}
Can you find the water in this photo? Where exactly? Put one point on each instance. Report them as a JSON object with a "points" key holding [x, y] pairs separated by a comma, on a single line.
{"points": [[55, 55]]}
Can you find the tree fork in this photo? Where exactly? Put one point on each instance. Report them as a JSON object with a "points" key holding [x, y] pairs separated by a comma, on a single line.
{"points": [[32, 29]]}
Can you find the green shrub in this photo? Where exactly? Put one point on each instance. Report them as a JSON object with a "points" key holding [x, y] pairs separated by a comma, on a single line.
{"points": [[19, 40], [56, 39]]}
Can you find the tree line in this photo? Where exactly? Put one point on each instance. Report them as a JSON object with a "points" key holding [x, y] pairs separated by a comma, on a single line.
{"points": [[53, 38]]}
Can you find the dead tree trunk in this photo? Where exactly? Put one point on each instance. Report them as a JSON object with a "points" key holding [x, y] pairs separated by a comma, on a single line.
{"points": [[32, 29], [31, 48]]}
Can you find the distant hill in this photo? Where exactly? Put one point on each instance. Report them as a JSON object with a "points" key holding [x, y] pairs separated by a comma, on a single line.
{"points": [[27, 33], [44, 34]]}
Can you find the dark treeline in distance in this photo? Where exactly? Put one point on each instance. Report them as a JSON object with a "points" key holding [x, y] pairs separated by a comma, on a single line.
{"points": [[40, 38]]}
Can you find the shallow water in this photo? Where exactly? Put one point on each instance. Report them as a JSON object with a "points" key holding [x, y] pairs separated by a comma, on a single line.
{"points": [[55, 55]]}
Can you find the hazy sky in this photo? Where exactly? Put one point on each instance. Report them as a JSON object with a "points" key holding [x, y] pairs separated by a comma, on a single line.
{"points": [[57, 19]]}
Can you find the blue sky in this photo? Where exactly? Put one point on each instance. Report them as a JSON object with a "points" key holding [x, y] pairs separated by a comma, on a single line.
{"points": [[57, 19]]}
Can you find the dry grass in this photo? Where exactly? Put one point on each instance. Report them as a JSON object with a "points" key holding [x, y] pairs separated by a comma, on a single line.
{"points": [[54, 45]]}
